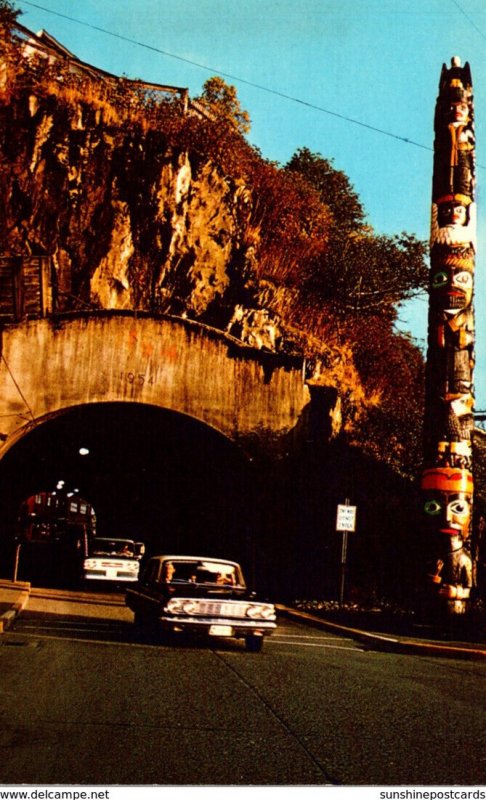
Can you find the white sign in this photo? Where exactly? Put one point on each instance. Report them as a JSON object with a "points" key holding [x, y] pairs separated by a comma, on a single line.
{"points": [[346, 518]]}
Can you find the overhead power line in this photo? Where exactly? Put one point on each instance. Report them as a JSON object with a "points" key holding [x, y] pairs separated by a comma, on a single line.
{"points": [[236, 78], [258, 86], [471, 22]]}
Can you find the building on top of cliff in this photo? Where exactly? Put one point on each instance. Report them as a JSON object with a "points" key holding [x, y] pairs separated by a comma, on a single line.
{"points": [[45, 45]]}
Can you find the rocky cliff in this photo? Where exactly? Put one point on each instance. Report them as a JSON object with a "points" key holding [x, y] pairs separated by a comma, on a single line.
{"points": [[128, 221], [130, 213]]}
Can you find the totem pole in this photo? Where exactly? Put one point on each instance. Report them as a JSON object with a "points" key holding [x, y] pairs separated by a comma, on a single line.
{"points": [[447, 480]]}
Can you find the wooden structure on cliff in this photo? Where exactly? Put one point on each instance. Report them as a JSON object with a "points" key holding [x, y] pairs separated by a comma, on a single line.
{"points": [[44, 45], [447, 479], [25, 287]]}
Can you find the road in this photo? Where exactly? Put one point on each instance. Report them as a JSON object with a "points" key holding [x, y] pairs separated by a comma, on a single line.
{"points": [[84, 702]]}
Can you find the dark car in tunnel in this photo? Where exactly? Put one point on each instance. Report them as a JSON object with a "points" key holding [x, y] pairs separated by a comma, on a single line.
{"points": [[200, 595]]}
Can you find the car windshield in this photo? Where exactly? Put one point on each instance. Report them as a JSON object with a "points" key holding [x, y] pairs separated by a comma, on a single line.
{"points": [[214, 573], [113, 547]]}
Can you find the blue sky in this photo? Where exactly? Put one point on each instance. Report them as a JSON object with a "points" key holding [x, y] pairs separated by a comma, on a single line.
{"points": [[376, 62]]}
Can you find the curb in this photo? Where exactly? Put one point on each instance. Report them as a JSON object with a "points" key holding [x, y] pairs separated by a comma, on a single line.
{"points": [[374, 641], [23, 590], [387, 643]]}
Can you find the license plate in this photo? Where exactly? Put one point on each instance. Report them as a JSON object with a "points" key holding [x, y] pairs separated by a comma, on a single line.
{"points": [[220, 630]]}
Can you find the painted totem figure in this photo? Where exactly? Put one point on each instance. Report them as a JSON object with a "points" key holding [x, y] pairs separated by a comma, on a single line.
{"points": [[447, 480]]}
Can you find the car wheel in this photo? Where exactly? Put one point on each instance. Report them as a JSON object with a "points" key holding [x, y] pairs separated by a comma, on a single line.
{"points": [[145, 628], [254, 643], [139, 621], [167, 638]]}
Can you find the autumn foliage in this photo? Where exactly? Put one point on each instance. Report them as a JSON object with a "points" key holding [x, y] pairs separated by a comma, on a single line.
{"points": [[317, 263]]}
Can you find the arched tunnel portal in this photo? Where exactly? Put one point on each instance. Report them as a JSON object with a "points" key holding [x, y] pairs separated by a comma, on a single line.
{"points": [[178, 418], [152, 474]]}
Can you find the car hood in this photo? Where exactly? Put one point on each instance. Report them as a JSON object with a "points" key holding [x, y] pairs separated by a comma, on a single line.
{"points": [[198, 590]]}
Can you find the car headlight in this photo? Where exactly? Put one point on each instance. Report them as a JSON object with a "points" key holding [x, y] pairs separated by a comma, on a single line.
{"points": [[260, 611], [174, 606], [181, 606], [189, 606]]}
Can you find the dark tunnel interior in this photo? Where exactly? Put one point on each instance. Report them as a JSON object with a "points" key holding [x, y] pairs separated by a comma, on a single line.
{"points": [[150, 474]]}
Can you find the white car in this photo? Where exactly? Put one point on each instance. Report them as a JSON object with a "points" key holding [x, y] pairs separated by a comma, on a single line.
{"points": [[116, 560]]}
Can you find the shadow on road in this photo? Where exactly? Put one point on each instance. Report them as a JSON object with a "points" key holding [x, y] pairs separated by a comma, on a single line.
{"points": [[94, 629]]}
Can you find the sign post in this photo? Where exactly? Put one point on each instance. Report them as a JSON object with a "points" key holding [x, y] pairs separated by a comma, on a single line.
{"points": [[16, 561], [345, 522]]}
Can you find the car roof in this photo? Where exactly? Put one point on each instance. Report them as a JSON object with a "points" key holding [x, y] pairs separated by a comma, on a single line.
{"points": [[111, 539], [195, 558]]}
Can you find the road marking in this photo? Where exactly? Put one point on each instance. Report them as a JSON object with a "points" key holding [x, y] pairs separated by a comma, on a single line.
{"points": [[32, 623], [310, 644], [156, 646], [71, 629], [307, 636], [105, 642], [66, 629]]}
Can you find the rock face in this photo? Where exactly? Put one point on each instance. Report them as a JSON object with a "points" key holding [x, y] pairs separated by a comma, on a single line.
{"points": [[115, 213], [129, 222]]}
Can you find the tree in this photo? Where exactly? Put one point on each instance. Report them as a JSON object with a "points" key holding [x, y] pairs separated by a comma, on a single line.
{"points": [[8, 18], [360, 272], [391, 367], [8, 13], [348, 294], [334, 188], [221, 100], [365, 274]]}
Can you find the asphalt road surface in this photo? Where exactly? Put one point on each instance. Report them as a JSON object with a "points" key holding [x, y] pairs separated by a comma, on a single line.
{"points": [[83, 701]]}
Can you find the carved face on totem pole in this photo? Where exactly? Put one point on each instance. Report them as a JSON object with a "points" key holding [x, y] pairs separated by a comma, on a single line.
{"points": [[447, 493], [456, 105], [453, 221], [447, 496], [459, 112], [451, 289], [452, 213]]}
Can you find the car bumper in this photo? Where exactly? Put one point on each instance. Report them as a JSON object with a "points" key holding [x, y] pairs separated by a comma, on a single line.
{"points": [[218, 626], [103, 576]]}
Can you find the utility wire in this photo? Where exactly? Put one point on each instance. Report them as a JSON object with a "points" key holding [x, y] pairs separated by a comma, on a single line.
{"points": [[232, 77], [18, 387], [471, 22], [259, 86]]}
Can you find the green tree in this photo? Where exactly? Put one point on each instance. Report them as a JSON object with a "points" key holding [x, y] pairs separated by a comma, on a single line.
{"points": [[333, 186], [360, 272], [221, 100], [348, 295], [366, 274]]}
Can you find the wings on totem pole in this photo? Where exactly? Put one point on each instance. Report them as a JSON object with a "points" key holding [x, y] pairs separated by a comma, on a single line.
{"points": [[447, 479]]}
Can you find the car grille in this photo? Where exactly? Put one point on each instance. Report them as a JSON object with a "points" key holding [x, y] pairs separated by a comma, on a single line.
{"points": [[217, 608]]}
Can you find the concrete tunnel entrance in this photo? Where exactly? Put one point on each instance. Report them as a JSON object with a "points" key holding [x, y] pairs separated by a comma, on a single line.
{"points": [[151, 474]]}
